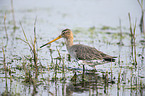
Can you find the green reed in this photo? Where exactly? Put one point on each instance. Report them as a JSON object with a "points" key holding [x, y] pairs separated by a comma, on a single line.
{"points": [[13, 14], [4, 61], [133, 43], [142, 25], [32, 47], [5, 28]]}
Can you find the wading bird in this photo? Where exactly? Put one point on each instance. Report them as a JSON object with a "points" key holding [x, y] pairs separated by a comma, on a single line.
{"points": [[79, 51]]}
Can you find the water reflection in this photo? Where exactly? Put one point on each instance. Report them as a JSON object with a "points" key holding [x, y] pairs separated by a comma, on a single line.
{"points": [[55, 76], [89, 81]]}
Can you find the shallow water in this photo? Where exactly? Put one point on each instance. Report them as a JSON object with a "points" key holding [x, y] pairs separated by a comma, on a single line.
{"points": [[95, 23]]}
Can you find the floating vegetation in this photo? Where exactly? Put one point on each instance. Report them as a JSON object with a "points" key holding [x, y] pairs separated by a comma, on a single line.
{"points": [[53, 71], [108, 28]]}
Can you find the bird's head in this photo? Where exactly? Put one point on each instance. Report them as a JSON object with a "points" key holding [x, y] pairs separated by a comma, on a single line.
{"points": [[66, 33]]}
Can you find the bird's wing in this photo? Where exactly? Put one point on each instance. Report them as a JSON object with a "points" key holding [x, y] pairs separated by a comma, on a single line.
{"points": [[83, 52]]}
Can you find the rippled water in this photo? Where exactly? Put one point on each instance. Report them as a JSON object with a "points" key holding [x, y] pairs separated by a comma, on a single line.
{"points": [[95, 23]]}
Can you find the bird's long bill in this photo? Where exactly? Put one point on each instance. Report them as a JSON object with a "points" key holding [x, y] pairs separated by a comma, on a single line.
{"points": [[51, 41]]}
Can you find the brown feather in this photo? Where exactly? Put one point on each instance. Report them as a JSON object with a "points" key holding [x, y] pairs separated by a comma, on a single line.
{"points": [[83, 52]]}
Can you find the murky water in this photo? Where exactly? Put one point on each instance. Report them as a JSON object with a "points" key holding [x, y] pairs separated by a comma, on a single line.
{"points": [[95, 23]]}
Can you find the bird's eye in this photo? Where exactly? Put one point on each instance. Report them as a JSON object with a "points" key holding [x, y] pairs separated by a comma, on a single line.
{"points": [[63, 32]]}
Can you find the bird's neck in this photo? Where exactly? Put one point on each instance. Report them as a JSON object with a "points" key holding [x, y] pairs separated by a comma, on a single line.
{"points": [[69, 42]]}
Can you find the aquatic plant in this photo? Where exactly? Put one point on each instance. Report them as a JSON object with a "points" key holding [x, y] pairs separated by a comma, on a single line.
{"points": [[133, 43], [32, 47], [142, 25]]}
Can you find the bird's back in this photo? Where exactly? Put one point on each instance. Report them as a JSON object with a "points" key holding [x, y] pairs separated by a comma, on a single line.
{"points": [[83, 52]]}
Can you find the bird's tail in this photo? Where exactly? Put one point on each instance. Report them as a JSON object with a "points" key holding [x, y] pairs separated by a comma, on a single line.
{"points": [[110, 59]]}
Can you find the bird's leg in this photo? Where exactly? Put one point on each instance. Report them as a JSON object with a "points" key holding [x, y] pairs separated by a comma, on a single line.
{"points": [[83, 76], [83, 69]]}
